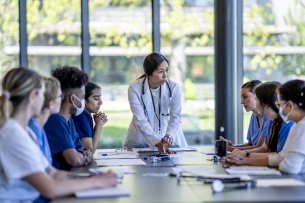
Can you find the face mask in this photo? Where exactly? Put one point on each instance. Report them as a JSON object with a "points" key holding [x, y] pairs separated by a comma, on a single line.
{"points": [[80, 109], [285, 118]]}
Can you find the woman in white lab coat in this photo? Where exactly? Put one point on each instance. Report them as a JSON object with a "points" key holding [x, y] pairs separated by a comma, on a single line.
{"points": [[155, 102]]}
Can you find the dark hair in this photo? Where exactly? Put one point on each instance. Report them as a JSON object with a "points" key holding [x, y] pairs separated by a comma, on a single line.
{"points": [[89, 88], [152, 62], [70, 78], [251, 84], [294, 91], [266, 94]]}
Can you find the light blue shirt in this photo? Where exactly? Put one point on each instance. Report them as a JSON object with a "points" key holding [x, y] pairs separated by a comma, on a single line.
{"points": [[255, 131], [283, 134], [41, 138]]}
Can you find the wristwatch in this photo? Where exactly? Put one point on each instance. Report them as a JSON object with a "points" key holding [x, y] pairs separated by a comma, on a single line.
{"points": [[248, 154]]}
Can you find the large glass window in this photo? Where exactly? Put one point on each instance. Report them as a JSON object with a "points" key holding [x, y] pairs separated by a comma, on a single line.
{"points": [[274, 45], [53, 34], [9, 35], [187, 30], [120, 38]]}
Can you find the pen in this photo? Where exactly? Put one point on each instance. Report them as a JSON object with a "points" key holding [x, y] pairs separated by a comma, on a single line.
{"points": [[238, 158], [109, 154]]}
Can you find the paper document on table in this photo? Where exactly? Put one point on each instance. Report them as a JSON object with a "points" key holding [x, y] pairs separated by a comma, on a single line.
{"points": [[278, 182], [120, 170], [119, 162], [181, 155], [181, 149], [102, 155], [249, 167], [213, 152], [117, 191], [253, 172]]}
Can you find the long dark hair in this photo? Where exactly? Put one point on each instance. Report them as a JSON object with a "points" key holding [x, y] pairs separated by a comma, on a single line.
{"points": [[294, 91], [89, 88], [266, 94], [152, 62]]}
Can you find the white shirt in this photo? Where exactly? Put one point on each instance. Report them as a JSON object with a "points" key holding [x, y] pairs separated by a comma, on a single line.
{"points": [[20, 157], [292, 158], [155, 93]]}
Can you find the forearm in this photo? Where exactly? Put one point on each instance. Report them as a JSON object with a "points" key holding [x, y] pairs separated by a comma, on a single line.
{"points": [[257, 150], [243, 148], [64, 175], [258, 155], [242, 145], [51, 188], [263, 161]]}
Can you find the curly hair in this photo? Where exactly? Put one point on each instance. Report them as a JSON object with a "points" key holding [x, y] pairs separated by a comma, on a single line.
{"points": [[70, 78]]}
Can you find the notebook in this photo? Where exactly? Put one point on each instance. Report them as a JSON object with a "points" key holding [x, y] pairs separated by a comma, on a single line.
{"points": [[117, 191]]}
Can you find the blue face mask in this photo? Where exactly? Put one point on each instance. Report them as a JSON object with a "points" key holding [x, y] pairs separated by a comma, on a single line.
{"points": [[284, 117]]}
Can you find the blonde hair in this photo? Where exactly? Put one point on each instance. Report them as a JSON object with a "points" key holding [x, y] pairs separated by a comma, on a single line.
{"points": [[19, 82], [52, 87]]}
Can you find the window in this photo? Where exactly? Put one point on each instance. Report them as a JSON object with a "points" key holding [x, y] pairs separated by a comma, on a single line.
{"points": [[120, 33], [9, 35], [187, 31], [53, 34]]}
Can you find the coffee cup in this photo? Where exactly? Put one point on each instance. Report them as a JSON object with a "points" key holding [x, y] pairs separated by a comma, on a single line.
{"points": [[221, 148]]}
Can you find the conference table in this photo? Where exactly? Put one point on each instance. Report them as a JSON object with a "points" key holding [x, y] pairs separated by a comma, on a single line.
{"points": [[150, 189]]}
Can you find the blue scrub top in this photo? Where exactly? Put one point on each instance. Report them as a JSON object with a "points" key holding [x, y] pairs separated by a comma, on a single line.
{"points": [[255, 131], [61, 136], [84, 124], [283, 134], [41, 138]]}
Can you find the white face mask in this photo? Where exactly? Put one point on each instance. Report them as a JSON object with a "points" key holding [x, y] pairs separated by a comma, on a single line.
{"points": [[80, 109], [285, 118]]}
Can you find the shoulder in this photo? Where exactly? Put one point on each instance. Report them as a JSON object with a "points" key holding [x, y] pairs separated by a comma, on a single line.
{"points": [[11, 133], [289, 124], [56, 118], [136, 85], [84, 114]]}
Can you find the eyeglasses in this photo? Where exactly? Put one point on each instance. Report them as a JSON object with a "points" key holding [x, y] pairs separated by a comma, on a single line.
{"points": [[278, 103], [60, 96]]}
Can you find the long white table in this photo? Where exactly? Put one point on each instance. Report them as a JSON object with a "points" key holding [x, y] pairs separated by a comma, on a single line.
{"points": [[166, 189]]}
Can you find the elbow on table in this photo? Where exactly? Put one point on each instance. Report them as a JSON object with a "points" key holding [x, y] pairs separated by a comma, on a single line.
{"points": [[289, 169], [74, 162]]}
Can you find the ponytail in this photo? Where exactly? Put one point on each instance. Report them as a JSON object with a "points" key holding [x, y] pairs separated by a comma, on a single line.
{"points": [[142, 76], [274, 134], [6, 109]]}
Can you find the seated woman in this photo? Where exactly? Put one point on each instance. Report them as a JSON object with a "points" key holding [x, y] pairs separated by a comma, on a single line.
{"points": [[259, 125], [90, 136], [51, 105], [266, 97], [155, 102], [291, 159], [24, 170]]}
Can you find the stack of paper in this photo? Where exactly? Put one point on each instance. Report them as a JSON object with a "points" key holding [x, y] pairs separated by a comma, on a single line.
{"points": [[252, 170], [181, 149], [117, 191], [278, 182], [120, 162], [117, 155]]}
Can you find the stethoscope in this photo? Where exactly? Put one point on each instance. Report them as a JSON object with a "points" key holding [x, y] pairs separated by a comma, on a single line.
{"points": [[145, 110]]}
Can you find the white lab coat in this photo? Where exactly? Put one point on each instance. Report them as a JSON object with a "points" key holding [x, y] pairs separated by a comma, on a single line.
{"points": [[141, 129]]}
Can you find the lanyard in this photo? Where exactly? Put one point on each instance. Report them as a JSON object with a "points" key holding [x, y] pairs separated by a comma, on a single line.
{"points": [[155, 107]]}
